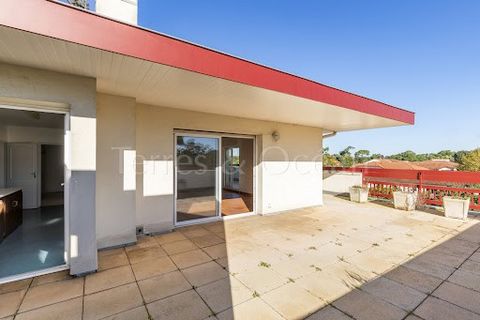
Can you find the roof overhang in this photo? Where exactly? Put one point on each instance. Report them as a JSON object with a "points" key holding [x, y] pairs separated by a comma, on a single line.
{"points": [[160, 70]]}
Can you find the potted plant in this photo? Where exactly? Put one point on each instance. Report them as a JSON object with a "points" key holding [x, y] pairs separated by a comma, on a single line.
{"points": [[359, 193], [456, 207], [405, 199]]}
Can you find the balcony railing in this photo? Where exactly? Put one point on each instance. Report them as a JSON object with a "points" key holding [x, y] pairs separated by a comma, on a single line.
{"points": [[432, 185]]}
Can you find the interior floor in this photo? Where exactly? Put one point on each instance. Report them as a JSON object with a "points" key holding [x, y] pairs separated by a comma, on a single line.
{"points": [[50, 199], [37, 244], [196, 203], [234, 202], [201, 203]]}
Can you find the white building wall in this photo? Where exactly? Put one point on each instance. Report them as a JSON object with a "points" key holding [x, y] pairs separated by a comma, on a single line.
{"points": [[123, 10], [115, 194], [289, 172], [340, 182], [40, 86]]}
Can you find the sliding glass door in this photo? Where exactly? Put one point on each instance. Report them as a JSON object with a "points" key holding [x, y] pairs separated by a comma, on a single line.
{"points": [[197, 177]]}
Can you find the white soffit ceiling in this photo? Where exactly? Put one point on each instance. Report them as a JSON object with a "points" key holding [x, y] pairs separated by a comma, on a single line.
{"points": [[161, 85]]}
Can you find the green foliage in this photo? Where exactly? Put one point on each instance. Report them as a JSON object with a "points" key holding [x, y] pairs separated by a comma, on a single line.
{"points": [[194, 155], [404, 156], [470, 161], [377, 156], [329, 160], [345, 158], [459, 155], [412, 156], [362, 156]]}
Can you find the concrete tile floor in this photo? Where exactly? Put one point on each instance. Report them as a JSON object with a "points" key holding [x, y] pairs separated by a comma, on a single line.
{"points": [[342, 261]]}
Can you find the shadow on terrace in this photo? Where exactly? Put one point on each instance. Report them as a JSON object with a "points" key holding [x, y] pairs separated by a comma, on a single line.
{"points": [[342, 261]]}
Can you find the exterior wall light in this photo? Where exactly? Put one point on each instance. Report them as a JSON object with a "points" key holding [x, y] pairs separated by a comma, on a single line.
{"points": [[275, 136]]}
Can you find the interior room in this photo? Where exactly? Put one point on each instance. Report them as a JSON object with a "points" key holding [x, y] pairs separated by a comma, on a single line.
{"points": [[214, 176], [237, 177], [31, 191]]}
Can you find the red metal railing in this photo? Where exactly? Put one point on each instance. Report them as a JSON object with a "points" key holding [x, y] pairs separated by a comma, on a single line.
{"points": [[431, 185]]}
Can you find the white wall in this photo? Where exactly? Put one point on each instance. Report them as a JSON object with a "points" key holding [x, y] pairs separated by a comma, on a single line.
{"points": [[44, 87], [292, 169], [340, 182], [115, 195], [123, 10], [284, 183]]}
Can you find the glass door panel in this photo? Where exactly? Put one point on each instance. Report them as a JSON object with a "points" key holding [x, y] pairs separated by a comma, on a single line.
{"points": [[238, 166], [197, 163]]}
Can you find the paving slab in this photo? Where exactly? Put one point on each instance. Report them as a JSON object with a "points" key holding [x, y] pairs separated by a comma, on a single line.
{"points": [[363, 306], [186, 306], [395, 293], [460, 296], [436, 309]]}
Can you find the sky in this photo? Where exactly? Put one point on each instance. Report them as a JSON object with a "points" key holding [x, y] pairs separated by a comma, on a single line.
{"points": [[422, 56]]}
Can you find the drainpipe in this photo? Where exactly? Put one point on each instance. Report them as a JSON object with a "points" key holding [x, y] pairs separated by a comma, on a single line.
{"points": [[329, 135]]}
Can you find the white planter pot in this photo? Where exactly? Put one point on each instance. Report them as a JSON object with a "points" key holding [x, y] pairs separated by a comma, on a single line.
{"points": [[359, 195], [456, 208], [404, 200]]}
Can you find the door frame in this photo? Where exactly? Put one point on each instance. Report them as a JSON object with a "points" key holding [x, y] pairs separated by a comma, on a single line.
{"points": [[219, 170], [55, 108]]}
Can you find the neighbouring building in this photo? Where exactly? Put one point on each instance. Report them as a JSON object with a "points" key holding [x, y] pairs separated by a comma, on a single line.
{"points": [[390, 164], [138, 132], [436, 164], [439, 165]]}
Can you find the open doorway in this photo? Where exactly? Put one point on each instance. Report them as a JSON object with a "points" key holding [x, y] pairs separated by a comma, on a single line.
{"points": [[237, 175], [32, 218]]}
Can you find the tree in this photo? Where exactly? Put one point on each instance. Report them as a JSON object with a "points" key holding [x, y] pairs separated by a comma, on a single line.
{"points": [[328, 159], [444, 154], [405, 156], [362, 156], [457, 157], [470, 161], [377, 156], [345, 156], [79, 3]]}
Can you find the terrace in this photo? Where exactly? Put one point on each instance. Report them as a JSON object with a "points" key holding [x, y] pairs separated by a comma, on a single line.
{"points": [[340, 261]]}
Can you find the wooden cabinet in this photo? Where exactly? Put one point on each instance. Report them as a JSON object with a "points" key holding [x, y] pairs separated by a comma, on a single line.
{"points": [[11, 216]]}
